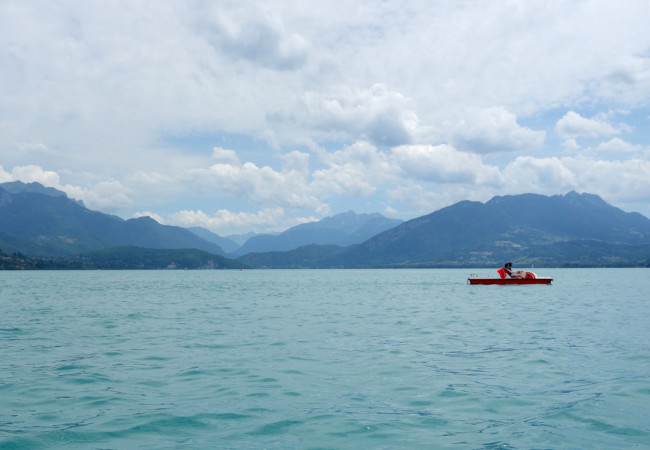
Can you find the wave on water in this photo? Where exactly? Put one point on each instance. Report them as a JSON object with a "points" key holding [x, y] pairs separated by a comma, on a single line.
{"points": [[327, 359]]}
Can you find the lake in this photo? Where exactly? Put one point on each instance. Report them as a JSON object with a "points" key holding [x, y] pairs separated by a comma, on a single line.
{"points": [[323, 359]]}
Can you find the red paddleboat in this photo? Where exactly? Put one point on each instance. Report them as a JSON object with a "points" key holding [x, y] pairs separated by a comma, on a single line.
{"points": [[531, 278]]}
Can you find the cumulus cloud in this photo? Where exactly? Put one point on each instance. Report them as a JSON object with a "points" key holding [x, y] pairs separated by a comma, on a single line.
{"points": [[104, 195], [618, 145], [416, 199], [297, 162], [256, 36], [618, 181], [355, 171], [259, 185], [31, 174], [225, 156], [493, 130], [376, 114], [443, 164], [90, 91], [573, 125], [107, 196], [571, 145], [5, 176], [628, 80], [544, 175]]}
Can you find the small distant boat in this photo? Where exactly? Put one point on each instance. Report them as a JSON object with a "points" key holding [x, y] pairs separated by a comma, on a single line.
{"points": [[530, 279]]}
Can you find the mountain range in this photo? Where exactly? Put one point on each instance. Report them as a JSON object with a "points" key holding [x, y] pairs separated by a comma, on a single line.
{"points": [[528, 229], [506, 227], [342, 229], [41, 221], [227, 244]]}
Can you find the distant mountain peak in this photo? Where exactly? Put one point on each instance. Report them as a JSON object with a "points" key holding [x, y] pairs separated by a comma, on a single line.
{"points": [[43, 221], [18, 187], [342, 229], [572, 229], [144, 219], [586, 199], [226, 244]]}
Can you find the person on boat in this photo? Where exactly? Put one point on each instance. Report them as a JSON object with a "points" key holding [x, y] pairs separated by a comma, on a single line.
{"points": [[506, 272]]}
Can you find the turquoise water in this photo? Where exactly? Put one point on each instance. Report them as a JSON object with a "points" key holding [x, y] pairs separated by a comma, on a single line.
{"points": [[323, 359]]}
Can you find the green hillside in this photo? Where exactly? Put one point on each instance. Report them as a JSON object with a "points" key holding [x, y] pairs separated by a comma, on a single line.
{"points": [[42, 222], [122, 258], [570, 230], [148, 258]]}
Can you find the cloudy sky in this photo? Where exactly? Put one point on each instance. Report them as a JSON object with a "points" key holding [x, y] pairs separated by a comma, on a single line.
{"points": [[258, 115]]}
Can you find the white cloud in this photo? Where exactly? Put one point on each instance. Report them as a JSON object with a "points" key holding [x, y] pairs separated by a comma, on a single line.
{"points": [[259, 185], [224, 156], [104, 195], [493, 130], [354, 171], [296, 161], [543, 175], [225, 222], [444, 164], [90, 94], [573, 125], [618, 181], [31, 174], [415, 198], [107, 196], [618, 145], [628, 80], [377, 114], [5, 176], [148, 69], [255, 35], [571, 145]]}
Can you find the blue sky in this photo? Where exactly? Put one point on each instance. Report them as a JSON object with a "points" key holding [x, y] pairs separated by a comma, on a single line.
{"points": [[257, 116]]}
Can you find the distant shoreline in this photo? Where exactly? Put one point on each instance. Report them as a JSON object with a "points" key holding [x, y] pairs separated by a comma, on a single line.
{"points": [[18, 263]]}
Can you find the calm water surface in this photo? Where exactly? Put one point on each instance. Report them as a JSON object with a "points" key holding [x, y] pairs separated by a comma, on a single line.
{"points": [[323, 359]]}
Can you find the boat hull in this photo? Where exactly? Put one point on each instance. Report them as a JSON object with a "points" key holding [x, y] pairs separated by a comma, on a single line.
{"points": [[508, 281]]}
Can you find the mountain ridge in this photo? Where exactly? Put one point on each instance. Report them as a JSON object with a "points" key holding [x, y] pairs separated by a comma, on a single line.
{"points": [[43, 224], [518, 228], [342, 229], [574, 229]]}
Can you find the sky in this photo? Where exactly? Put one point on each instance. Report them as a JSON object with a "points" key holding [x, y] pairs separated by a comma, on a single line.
{"points": [[242, 116]]}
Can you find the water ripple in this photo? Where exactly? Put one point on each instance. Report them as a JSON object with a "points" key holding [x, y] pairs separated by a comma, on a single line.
{"points": [[328, 359]]}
